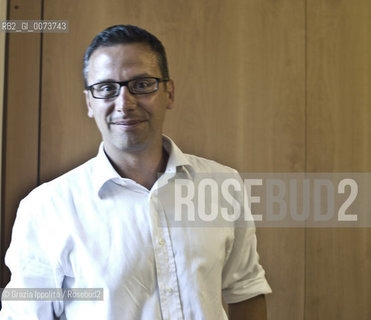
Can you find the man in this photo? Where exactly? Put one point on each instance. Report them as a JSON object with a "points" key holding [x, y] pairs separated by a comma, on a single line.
{"points": [[105, 223]]}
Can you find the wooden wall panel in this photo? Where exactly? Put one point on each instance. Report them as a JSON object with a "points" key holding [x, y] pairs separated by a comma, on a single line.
{"points": [[239, 73], [248, 94], [338, 277], [3, 14], [20, 159]]}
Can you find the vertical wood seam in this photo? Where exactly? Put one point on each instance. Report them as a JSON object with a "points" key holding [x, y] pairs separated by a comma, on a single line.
{"points": [[305, 143], [40, 99], [3, 147]]}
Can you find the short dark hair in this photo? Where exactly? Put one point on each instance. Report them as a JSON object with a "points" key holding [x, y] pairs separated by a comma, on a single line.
{"points": [[126, 34]]}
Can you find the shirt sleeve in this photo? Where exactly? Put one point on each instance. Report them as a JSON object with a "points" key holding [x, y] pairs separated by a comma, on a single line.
{"points": [[32, 263], [243, 277]]}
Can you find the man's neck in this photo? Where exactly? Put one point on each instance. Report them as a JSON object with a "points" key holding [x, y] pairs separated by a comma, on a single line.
{"points": [[143, 167]]}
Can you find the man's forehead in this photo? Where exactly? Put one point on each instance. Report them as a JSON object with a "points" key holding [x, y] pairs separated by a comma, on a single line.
{"points": [[123, 52], [123, 56]]}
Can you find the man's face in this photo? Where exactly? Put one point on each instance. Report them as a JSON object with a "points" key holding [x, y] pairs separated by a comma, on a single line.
{"points": [[128, 122]]}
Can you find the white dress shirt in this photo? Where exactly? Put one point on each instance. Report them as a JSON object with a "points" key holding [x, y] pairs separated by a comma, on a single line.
{"points": [[91, 228]]}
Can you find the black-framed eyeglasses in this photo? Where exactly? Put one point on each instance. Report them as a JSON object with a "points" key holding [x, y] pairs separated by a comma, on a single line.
{"points": [[111, 89]]}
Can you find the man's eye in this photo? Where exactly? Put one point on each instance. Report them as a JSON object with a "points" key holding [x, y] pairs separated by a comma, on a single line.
{"points": [[106, 87], [142, 84]]}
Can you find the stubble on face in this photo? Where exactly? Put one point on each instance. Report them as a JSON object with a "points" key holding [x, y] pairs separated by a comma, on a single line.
{"points": [[128, 123]]}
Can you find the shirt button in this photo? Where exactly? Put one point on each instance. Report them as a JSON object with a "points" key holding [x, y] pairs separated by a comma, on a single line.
{"points": [[161, 242], [169, 290]]}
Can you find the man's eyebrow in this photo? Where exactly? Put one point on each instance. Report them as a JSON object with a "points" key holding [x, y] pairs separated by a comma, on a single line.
{"points": [[105, 80], [139, 76], [142, 75]]}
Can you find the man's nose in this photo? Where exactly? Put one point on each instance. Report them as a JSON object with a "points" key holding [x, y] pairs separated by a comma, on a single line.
{"points": [[125, 101]]}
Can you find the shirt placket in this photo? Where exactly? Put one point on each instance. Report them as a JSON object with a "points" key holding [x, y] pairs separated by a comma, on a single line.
{"points": [[165, 263]]}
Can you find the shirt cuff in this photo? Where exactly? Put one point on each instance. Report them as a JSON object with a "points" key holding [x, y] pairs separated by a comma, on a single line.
{"points": [[245, 290]]}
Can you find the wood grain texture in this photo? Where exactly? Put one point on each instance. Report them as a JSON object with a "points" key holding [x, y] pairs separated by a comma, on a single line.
{"points": [[248, 94], [21, 114], [338, 277], [3, 13]]}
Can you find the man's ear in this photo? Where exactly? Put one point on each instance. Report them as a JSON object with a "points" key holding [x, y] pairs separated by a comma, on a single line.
{"points": [[87, 100], [170, 90]]}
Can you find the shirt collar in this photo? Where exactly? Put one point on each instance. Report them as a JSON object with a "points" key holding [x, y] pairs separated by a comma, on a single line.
{"points": [[177, 159], [103, 171]]}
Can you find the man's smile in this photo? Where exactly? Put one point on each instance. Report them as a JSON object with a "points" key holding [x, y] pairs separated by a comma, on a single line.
{"points": [[128, 124]]}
